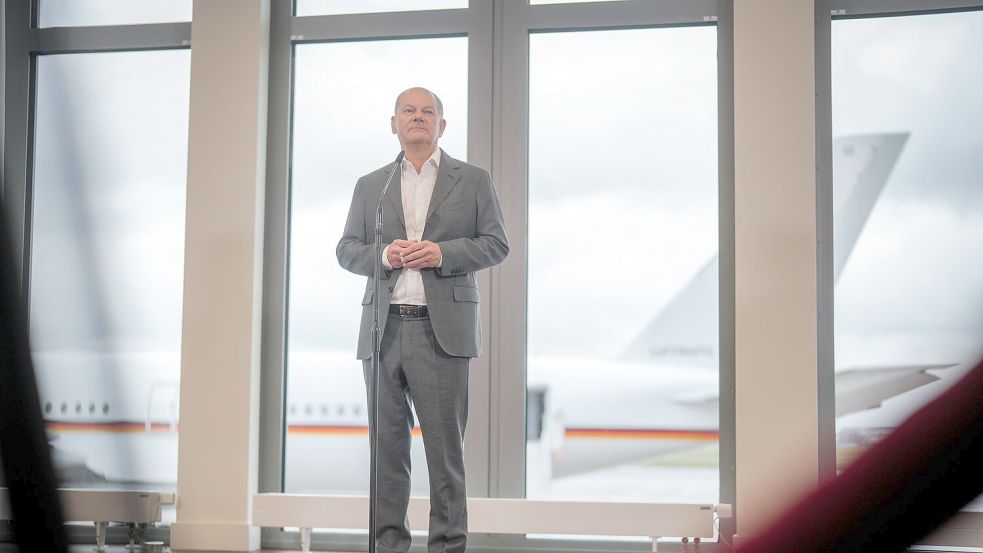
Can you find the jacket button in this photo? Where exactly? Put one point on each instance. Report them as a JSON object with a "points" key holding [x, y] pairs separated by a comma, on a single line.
{"points": [[390, 289]]}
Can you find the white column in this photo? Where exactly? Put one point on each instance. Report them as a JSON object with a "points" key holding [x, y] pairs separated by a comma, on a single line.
{"points": [[217, 457], [775, 234]]}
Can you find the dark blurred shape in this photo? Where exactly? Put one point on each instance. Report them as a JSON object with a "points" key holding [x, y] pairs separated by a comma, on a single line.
{"points": [[901, 489], [27, 466]]}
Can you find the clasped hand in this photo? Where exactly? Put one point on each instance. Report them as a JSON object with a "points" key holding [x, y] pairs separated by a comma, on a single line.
{"points": [[413, 254]]}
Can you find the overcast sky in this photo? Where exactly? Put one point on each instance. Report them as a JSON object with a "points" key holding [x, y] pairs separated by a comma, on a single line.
{"points": [[110, 173], [345, 94], [63, 13], [916, 270], [622, 180], [622, 153]]}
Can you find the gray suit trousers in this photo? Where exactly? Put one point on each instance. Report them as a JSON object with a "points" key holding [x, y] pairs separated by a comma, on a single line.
{"points": [[413, 367]]}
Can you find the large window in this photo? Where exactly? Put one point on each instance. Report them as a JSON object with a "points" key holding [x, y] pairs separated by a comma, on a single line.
{"points": [[611, 108], [908, 215], [75, 13], [107, 262], [341, 7], [344, 97], [622, 272]]}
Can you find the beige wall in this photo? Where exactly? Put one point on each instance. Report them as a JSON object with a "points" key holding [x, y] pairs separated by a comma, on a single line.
{"points": [[217, 457], [775, 236]]}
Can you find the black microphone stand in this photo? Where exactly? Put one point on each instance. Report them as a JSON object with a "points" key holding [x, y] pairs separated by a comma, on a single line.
{"points": [[376, 353]]}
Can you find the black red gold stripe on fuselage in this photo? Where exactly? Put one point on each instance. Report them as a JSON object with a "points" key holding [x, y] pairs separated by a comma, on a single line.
{"points": [[356, 430]]}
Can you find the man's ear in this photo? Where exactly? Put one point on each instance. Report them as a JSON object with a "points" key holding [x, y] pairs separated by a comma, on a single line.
{"points": [[392, 123], [443, 125]]}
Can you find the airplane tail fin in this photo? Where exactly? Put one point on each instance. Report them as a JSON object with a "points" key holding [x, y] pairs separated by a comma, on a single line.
{"points": [[861, 167], [685, 332]]}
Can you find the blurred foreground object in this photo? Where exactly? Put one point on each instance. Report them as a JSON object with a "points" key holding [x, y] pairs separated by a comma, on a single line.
{"points": [[901, 489], [27, 467]]}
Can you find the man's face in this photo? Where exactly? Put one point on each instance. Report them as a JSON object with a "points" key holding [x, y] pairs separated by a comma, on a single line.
{"points": [[416, 121]]}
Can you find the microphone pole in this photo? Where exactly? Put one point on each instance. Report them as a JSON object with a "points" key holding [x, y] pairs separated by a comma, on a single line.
{"points": [[376, 353]]}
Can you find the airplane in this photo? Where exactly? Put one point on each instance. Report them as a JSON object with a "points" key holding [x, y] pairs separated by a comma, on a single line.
{"points": [[127, 432]]}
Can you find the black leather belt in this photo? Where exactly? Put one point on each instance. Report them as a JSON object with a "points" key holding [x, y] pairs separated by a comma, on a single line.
{"points": [[408, 311]]}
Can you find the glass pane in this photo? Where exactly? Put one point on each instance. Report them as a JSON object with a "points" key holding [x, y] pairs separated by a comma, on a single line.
{"points": [[908, 193], [341, 7], [107, 262], [622, 386], [80, 13], [534, 2], [344, 97]]}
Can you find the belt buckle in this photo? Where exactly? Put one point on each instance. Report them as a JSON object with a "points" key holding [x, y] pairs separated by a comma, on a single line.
{"points": [[412, 311]]}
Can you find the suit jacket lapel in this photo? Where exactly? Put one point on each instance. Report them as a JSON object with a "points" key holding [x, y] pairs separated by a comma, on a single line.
{"points": [[447, 177], [395, 196]]}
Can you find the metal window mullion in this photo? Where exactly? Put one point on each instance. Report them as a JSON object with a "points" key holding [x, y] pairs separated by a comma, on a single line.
{"points": [[727, 453], [478, 448], [18, 133], [512, 147], [57, 40], [866, 8], [616, 14], [273, 375], [826, 415], [276, 251], [34, 15]]}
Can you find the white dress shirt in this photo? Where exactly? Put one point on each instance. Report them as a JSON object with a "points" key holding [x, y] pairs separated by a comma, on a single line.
{"points": [[416, 190]]}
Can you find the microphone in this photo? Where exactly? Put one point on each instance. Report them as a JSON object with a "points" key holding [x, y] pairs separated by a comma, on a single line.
{"points": [[399, 159], [376, 352], [382, 196]]}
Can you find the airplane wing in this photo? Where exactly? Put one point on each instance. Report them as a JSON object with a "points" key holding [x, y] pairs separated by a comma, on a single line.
{"points": [[857, 388], [862, 388], [697, 397]]}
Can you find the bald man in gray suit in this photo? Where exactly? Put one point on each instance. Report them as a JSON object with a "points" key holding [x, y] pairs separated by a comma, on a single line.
{"points": [[442, 223]]}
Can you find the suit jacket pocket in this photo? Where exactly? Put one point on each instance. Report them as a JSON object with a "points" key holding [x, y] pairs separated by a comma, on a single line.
{"points": [[465, 293], [367, 298]]}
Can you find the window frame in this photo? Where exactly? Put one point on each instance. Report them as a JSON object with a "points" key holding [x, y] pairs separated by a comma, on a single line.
{"points": [[23, 42], [968, 529], [287, 31], [519, 21], [497, 101]]}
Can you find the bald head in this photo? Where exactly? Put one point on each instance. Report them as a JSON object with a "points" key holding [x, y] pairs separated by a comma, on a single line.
{"points": [[436, 99]]}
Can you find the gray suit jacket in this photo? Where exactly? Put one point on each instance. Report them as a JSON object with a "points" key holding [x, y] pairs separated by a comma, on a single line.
{"points": [[464, 219]]}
